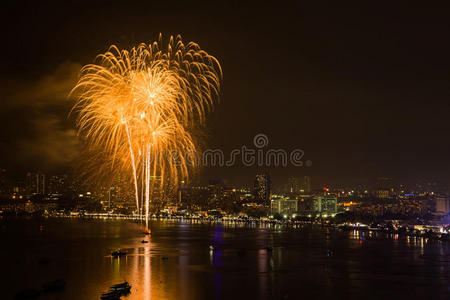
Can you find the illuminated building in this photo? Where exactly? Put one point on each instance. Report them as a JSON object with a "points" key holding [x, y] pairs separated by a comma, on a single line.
{"points": [[325, 204], [284, 206], [384, 188], [442, 205], [195, 197], [35, 183], [409, 206], [293, 185], [382, 194], [57, 184], [261, 189], [216, 191], [307, 185]]}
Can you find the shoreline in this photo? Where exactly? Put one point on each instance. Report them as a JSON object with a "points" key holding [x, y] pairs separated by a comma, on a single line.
{"points": [[425, 231]]}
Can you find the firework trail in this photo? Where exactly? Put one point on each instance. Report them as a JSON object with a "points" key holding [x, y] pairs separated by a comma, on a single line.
{"points": [[138, 106]]}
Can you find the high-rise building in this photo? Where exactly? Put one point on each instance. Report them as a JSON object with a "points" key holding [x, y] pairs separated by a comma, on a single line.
{"points": [[195, 196], [293, 185], [382, 194], [443, 205], [57, 184], [306, 185], [261, 189], [284, 206], [216, 190], [35, 183], [325, 204], [384, 187]]}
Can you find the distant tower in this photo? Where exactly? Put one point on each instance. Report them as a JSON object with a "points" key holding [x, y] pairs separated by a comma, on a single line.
{"points": [[384, 187], [261, 189], [307, 184], [442, 205], [56, 184], [216, 191], [35, 183], [293, 185]]}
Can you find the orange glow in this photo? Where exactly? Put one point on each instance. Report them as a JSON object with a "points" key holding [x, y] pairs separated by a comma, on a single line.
{"points": [[348, 204]]}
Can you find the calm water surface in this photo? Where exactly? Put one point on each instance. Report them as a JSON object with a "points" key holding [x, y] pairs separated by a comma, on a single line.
{"points": [[362, 265]]}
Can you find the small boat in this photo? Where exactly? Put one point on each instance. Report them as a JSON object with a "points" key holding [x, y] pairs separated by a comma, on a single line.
{"points": [[121, 288], [120, 285], [118, 253], [54, 286], [211, 247], [144, 242], [164, 258], [268, 249]]}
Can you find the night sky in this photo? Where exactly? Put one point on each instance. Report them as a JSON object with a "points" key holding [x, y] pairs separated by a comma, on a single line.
{"points": [[363, 90]]}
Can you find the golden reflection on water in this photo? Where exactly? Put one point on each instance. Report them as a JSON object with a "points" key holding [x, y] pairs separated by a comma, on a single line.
{"points": [[147, 274]]}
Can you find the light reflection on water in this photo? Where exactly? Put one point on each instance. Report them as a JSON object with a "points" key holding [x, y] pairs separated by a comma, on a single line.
{"points": [[177, 263]]}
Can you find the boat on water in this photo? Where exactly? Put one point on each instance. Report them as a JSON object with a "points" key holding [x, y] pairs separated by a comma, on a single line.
{"points": [[146, 231], [125, 283], [124, 286], [116, 291], [144, 242], [353, 226], [118, 253]]}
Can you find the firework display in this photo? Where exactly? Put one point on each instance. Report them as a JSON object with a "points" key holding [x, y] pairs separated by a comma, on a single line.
{"points": [[139, 107]]}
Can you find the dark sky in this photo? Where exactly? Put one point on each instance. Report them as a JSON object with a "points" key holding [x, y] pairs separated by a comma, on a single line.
{"points": [[363, 90]]}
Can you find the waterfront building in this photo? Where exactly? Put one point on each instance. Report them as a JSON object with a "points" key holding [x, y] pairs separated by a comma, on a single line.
{"points": [[261, 189], [325, 204], [57, 184], [442, 205], [35, 183], [284, 206], [306, 185]]}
